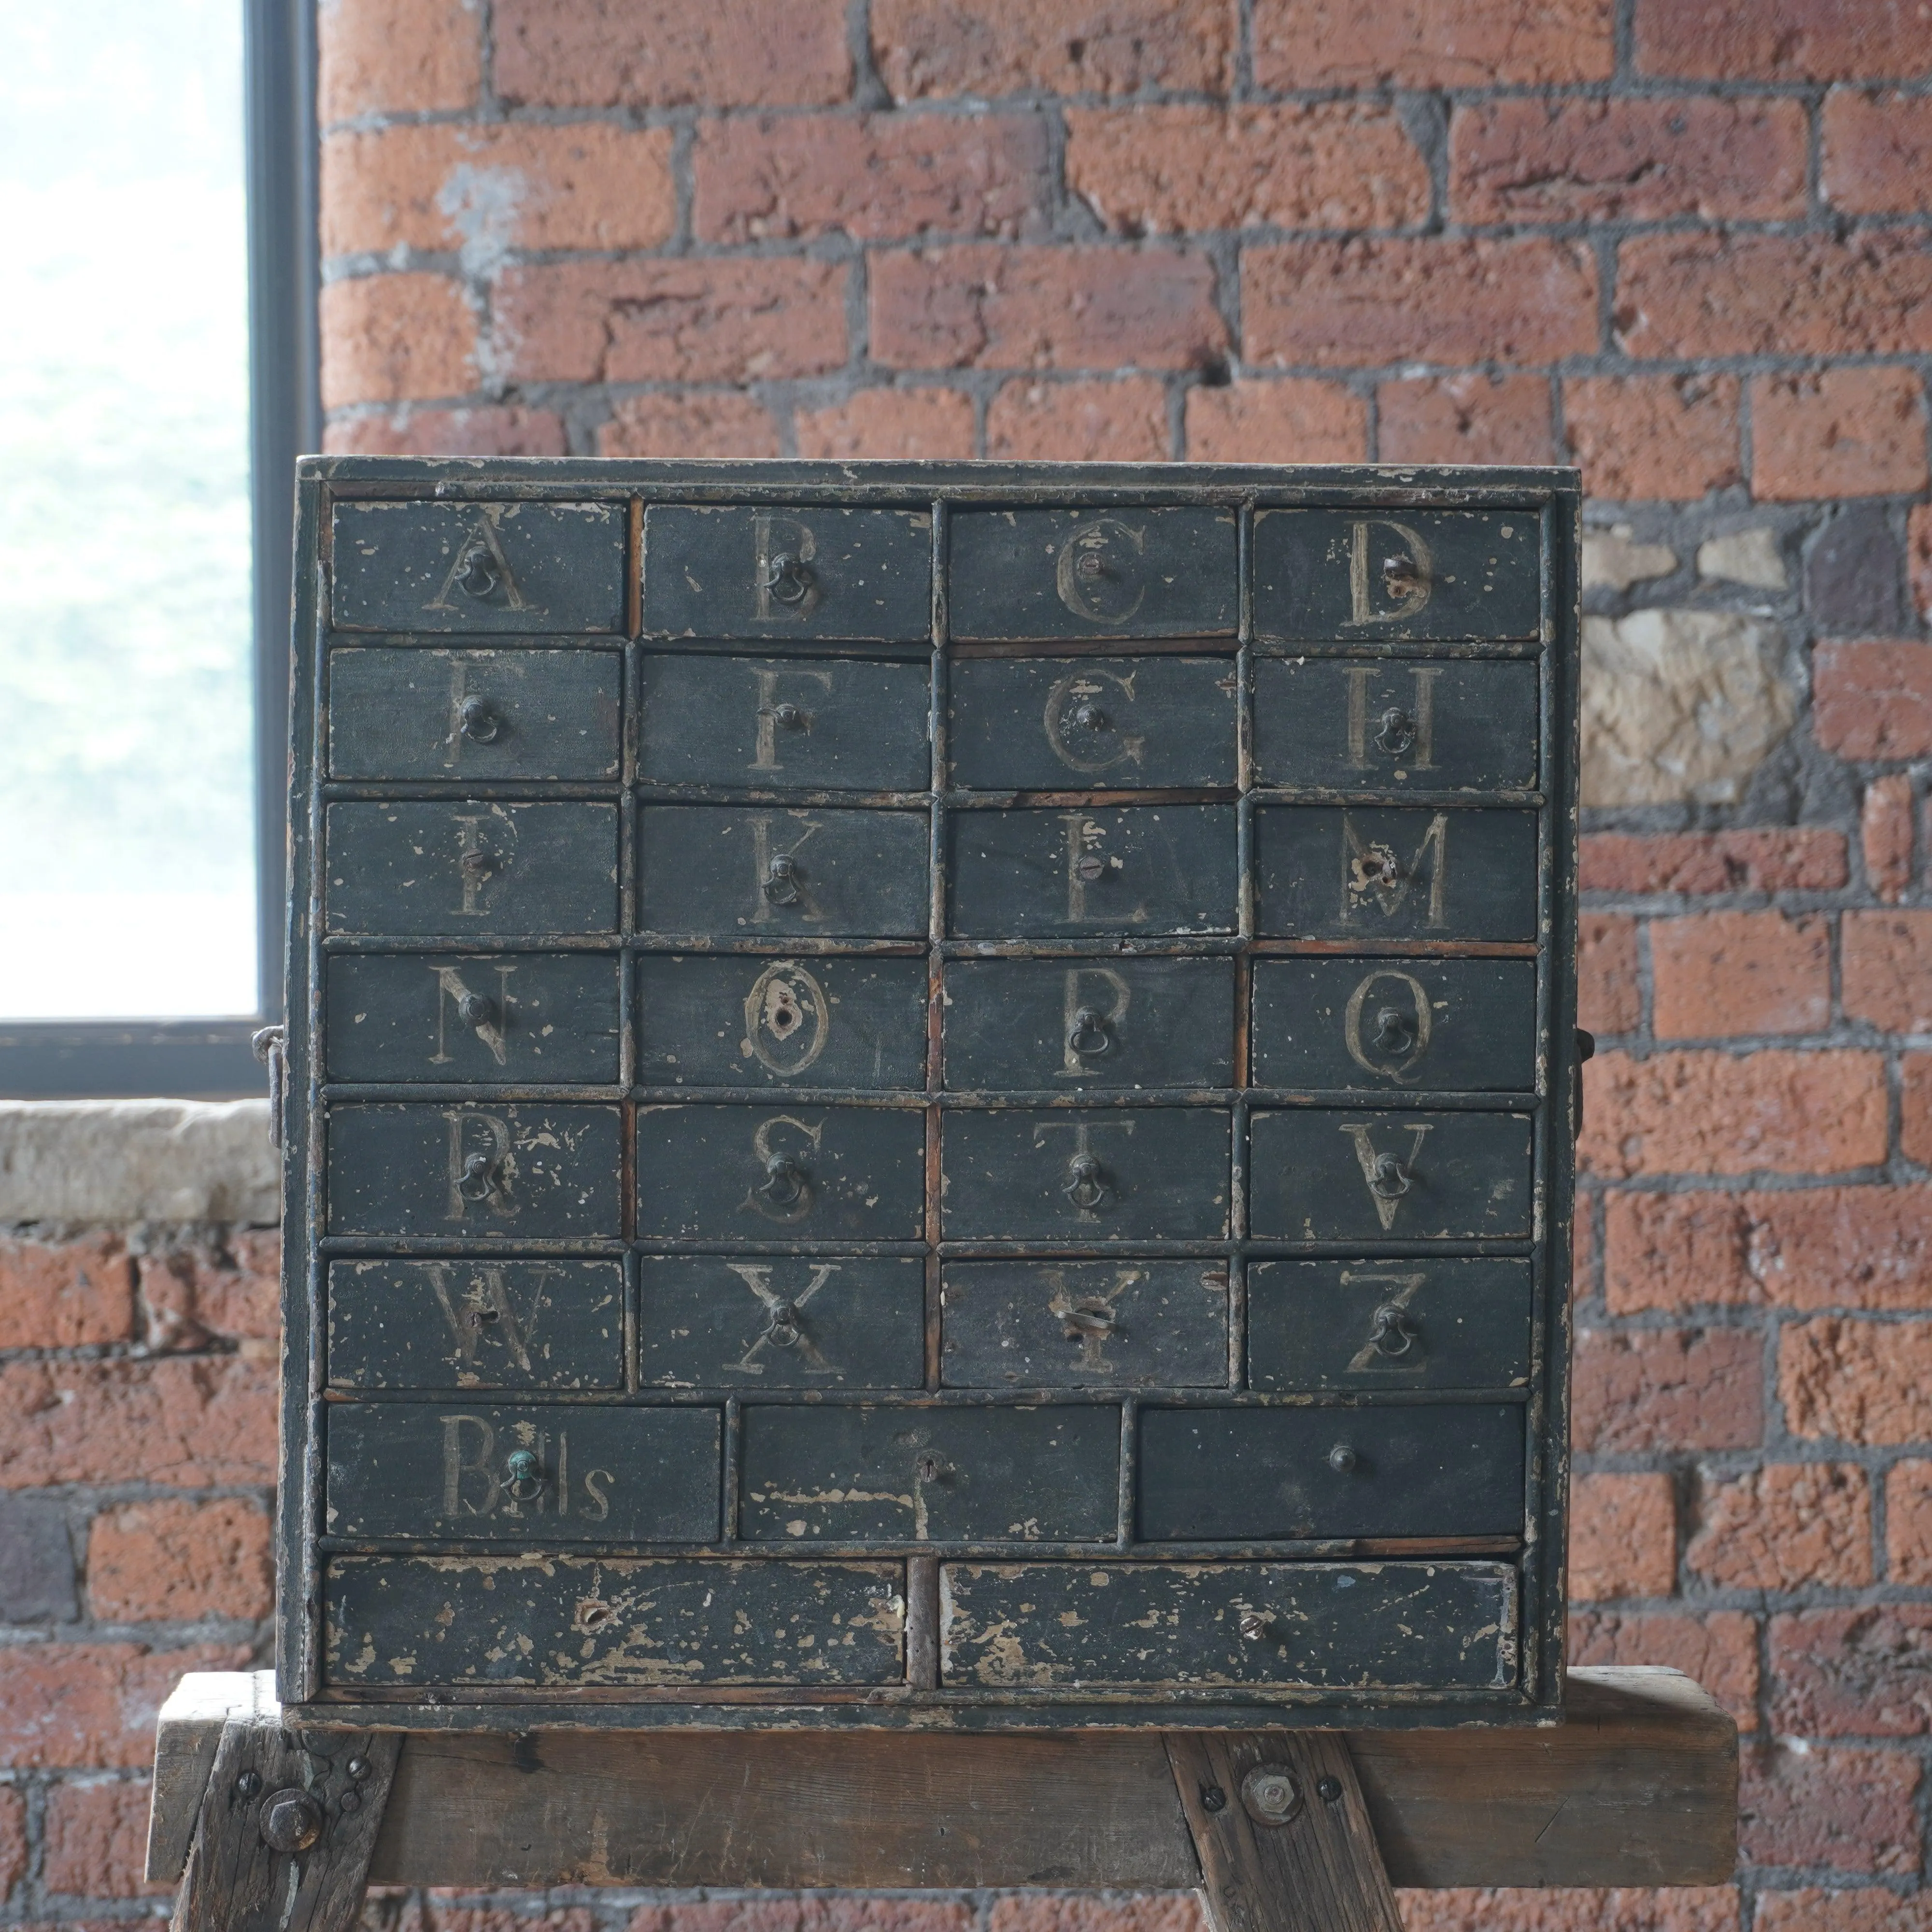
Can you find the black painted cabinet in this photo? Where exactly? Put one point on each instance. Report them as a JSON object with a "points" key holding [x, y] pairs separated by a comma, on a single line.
{"points": [[932, 1094]]}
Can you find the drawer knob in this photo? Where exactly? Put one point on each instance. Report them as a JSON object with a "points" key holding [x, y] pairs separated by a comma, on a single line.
{"points": [[1088, 1182], [478, 574], [1397, 734], [1395, 1031], [1402, 579], [476, 1010], [478, 722], [1089, 866], [1390, 1333], [782, 1331], [1089, 717], [478, 1177], [1256, 1624], [1087, 1319], [786, 717], [1342, 1459], [788, 579], [782, 876], [785, 1182], [1270, 1795], [1389, 1178], [479, 863], [525, 1474], [1089, 1036]]}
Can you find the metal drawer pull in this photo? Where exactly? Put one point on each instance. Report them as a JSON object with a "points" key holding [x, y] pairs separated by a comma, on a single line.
{"points": [[786, 717], [1395, 1031], [478, 722], [782, 1332], [785, 1182], [1391, 1332], [1087, 1318], [526, 1475], [1087, 1184], [1342, 1459], [1256, 1625], [478, 575], [1401, 579], [788, 579], [1089, 717], [1090, 867], [1088, 1036], [1390, 1179], [478, 1178], [480, 863], [476, 1010], [781, 878], [1397, 734]]}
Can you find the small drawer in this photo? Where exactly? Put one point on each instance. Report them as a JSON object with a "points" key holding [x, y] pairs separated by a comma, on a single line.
{"points": [[1075, 1025], [1456, 726], [476, 1324], [480, 715], [1385, 1324], [1320, 1176], [1362, 873], [1076, 1176], [1085, 1324], [535, 1621], [1082, 724], [762, 1173], [1041, 872], [506, 1171], [800, 1023], [539, 569], [805, 572], [789, 1321], [411, 866], [1260, 1475], [1125, 573], [1400, 1025], [524, 1475], [818, 723], [508, 1017], [929, 1475], [745, 873], [1335, 1627], [1347, 576]]}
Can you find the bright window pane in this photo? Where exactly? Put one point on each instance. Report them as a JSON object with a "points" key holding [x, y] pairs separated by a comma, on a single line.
{"points": [[127, 856]]}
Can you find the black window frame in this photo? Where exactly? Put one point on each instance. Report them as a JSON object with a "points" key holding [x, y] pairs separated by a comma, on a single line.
{"points": [[208, 1059]]}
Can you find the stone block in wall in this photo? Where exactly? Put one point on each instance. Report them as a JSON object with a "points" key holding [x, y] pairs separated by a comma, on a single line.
{"points": [[102, 1161]]}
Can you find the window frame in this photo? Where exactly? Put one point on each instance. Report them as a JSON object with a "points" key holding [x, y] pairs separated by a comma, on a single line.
{"points": [[211, 1058]]}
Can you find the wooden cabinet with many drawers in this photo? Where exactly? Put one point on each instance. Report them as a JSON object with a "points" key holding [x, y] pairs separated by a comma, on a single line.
{"points": [[933, 1093]]}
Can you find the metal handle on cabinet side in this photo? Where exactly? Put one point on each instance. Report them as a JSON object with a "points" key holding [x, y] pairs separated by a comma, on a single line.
{"points": [[270, 1045], [1586, 1049]]}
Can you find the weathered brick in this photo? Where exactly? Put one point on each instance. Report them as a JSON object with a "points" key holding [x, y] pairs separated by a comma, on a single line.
{"points": [[1852, 1673], [1471, 417], [1357, 304], [1719, 1650], [662, 53], [1668, 438], [1885, 830], [1123, 421], [1531, 160], [1721, 974], [929, 48], [191, 1421], [97, 1840], [1834, 1247], [1774, 1112], [825, 1912], [509, 184], [1332, 164], [1867, 1909], [1873, 700], [397, 56], [1918, 557], [731, 424], [1583, 1245], [36, 1566], [1294, 419], [1676, 1251], [1623, 1536], [1787, 1526], [65, 1294], [1773, 860], [1672, 1388], [1886, 972], [1427, 43], [1908, 1522], [1855, 573], [1568, 1909], [1837, 433], [889, 422], [711, 320], [873, 177], [396, 338], [1849, 1381], [1740, 294], [493, 430], [1064, 1911], [1785, 40], [1607, 994], [1877, 152], [1854, 1810], [13, 1837], [181, 1561], [987, 308], [192, 1292], [93, 1705]]}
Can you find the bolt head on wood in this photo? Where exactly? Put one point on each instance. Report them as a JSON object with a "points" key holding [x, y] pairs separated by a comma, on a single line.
{"points": [[291, 1821], [1270, 1795]]}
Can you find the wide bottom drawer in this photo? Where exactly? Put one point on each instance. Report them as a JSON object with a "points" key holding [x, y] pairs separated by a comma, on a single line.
{"points": [[565, 1620], [1364, 1627]]}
